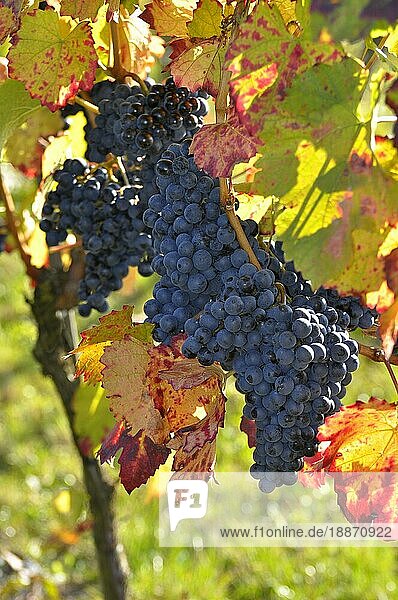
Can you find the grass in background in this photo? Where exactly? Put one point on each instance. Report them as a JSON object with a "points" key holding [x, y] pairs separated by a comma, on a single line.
{"points": [[42, 500]]}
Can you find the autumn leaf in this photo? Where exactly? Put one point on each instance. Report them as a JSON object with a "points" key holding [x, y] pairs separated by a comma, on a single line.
{"points": [[389, 329], [362, 437], [367, 497], [55, 66], [199, 65], [140, 456], [113, 326], [124, 380], [81, 9], [196, 446], [248, 426], [206, 22], [264, 60], [391, 267], [169, 17], [178, 407], [218, 148], [359, 451], [138, 47], [190, 373], [8, 22]]}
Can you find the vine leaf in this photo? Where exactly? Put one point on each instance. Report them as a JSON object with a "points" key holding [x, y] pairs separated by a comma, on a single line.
{"points": [[92, 419], [196, 446], [363, 437], [139, 459], [169, 17], [389, 329], [206, 21], [181, 407], [23, 149], [124, 380], [199, 64], [16, 107], [358, 449], [138, 47], [113, 326], [248, 426], [8, 22], [264, 60], [218, 148], [81, 9], [189, 373], [391, 266], [53, 66]]}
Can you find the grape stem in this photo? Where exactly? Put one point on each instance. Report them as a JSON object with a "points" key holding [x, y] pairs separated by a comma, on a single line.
{"points": [[117, 70], [6, 197], [226, 197], [87, 105], [377, 355]]}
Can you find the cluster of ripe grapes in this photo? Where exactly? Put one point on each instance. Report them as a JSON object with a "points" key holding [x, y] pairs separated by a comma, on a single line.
{"points": [[287, 344], [105, 209]]}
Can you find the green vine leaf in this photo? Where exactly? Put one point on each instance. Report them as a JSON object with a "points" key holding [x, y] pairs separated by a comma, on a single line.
{"points": [[53, 57], [16, 107], [206, 22]]}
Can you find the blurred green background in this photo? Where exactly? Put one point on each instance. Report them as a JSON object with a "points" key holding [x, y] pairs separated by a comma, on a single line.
{"points": [[45, 541]]}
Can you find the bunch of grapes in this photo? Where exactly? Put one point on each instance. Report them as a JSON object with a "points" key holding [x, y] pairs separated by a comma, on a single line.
{"points": [[288, 347], [108, 219], [193, 241], [138, 125]]}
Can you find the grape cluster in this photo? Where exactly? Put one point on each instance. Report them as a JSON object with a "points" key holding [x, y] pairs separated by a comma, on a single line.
{"points": [[291, 361], [193, 241], [351, 313], [292, 378], [109, 220], [138, 125]]}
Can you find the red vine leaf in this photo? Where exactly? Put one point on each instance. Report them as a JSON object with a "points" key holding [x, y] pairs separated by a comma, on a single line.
{"points": [[189, 373], [53, 56], [199, 65], [264, 60], [169, 17], [8, 22], [196, 446], [218, 148], [248, 426], [140, 456], [367, 497], [180, 407], [124, 380], [362, 437], [389, 329], [359, 450], [81, 9]]}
